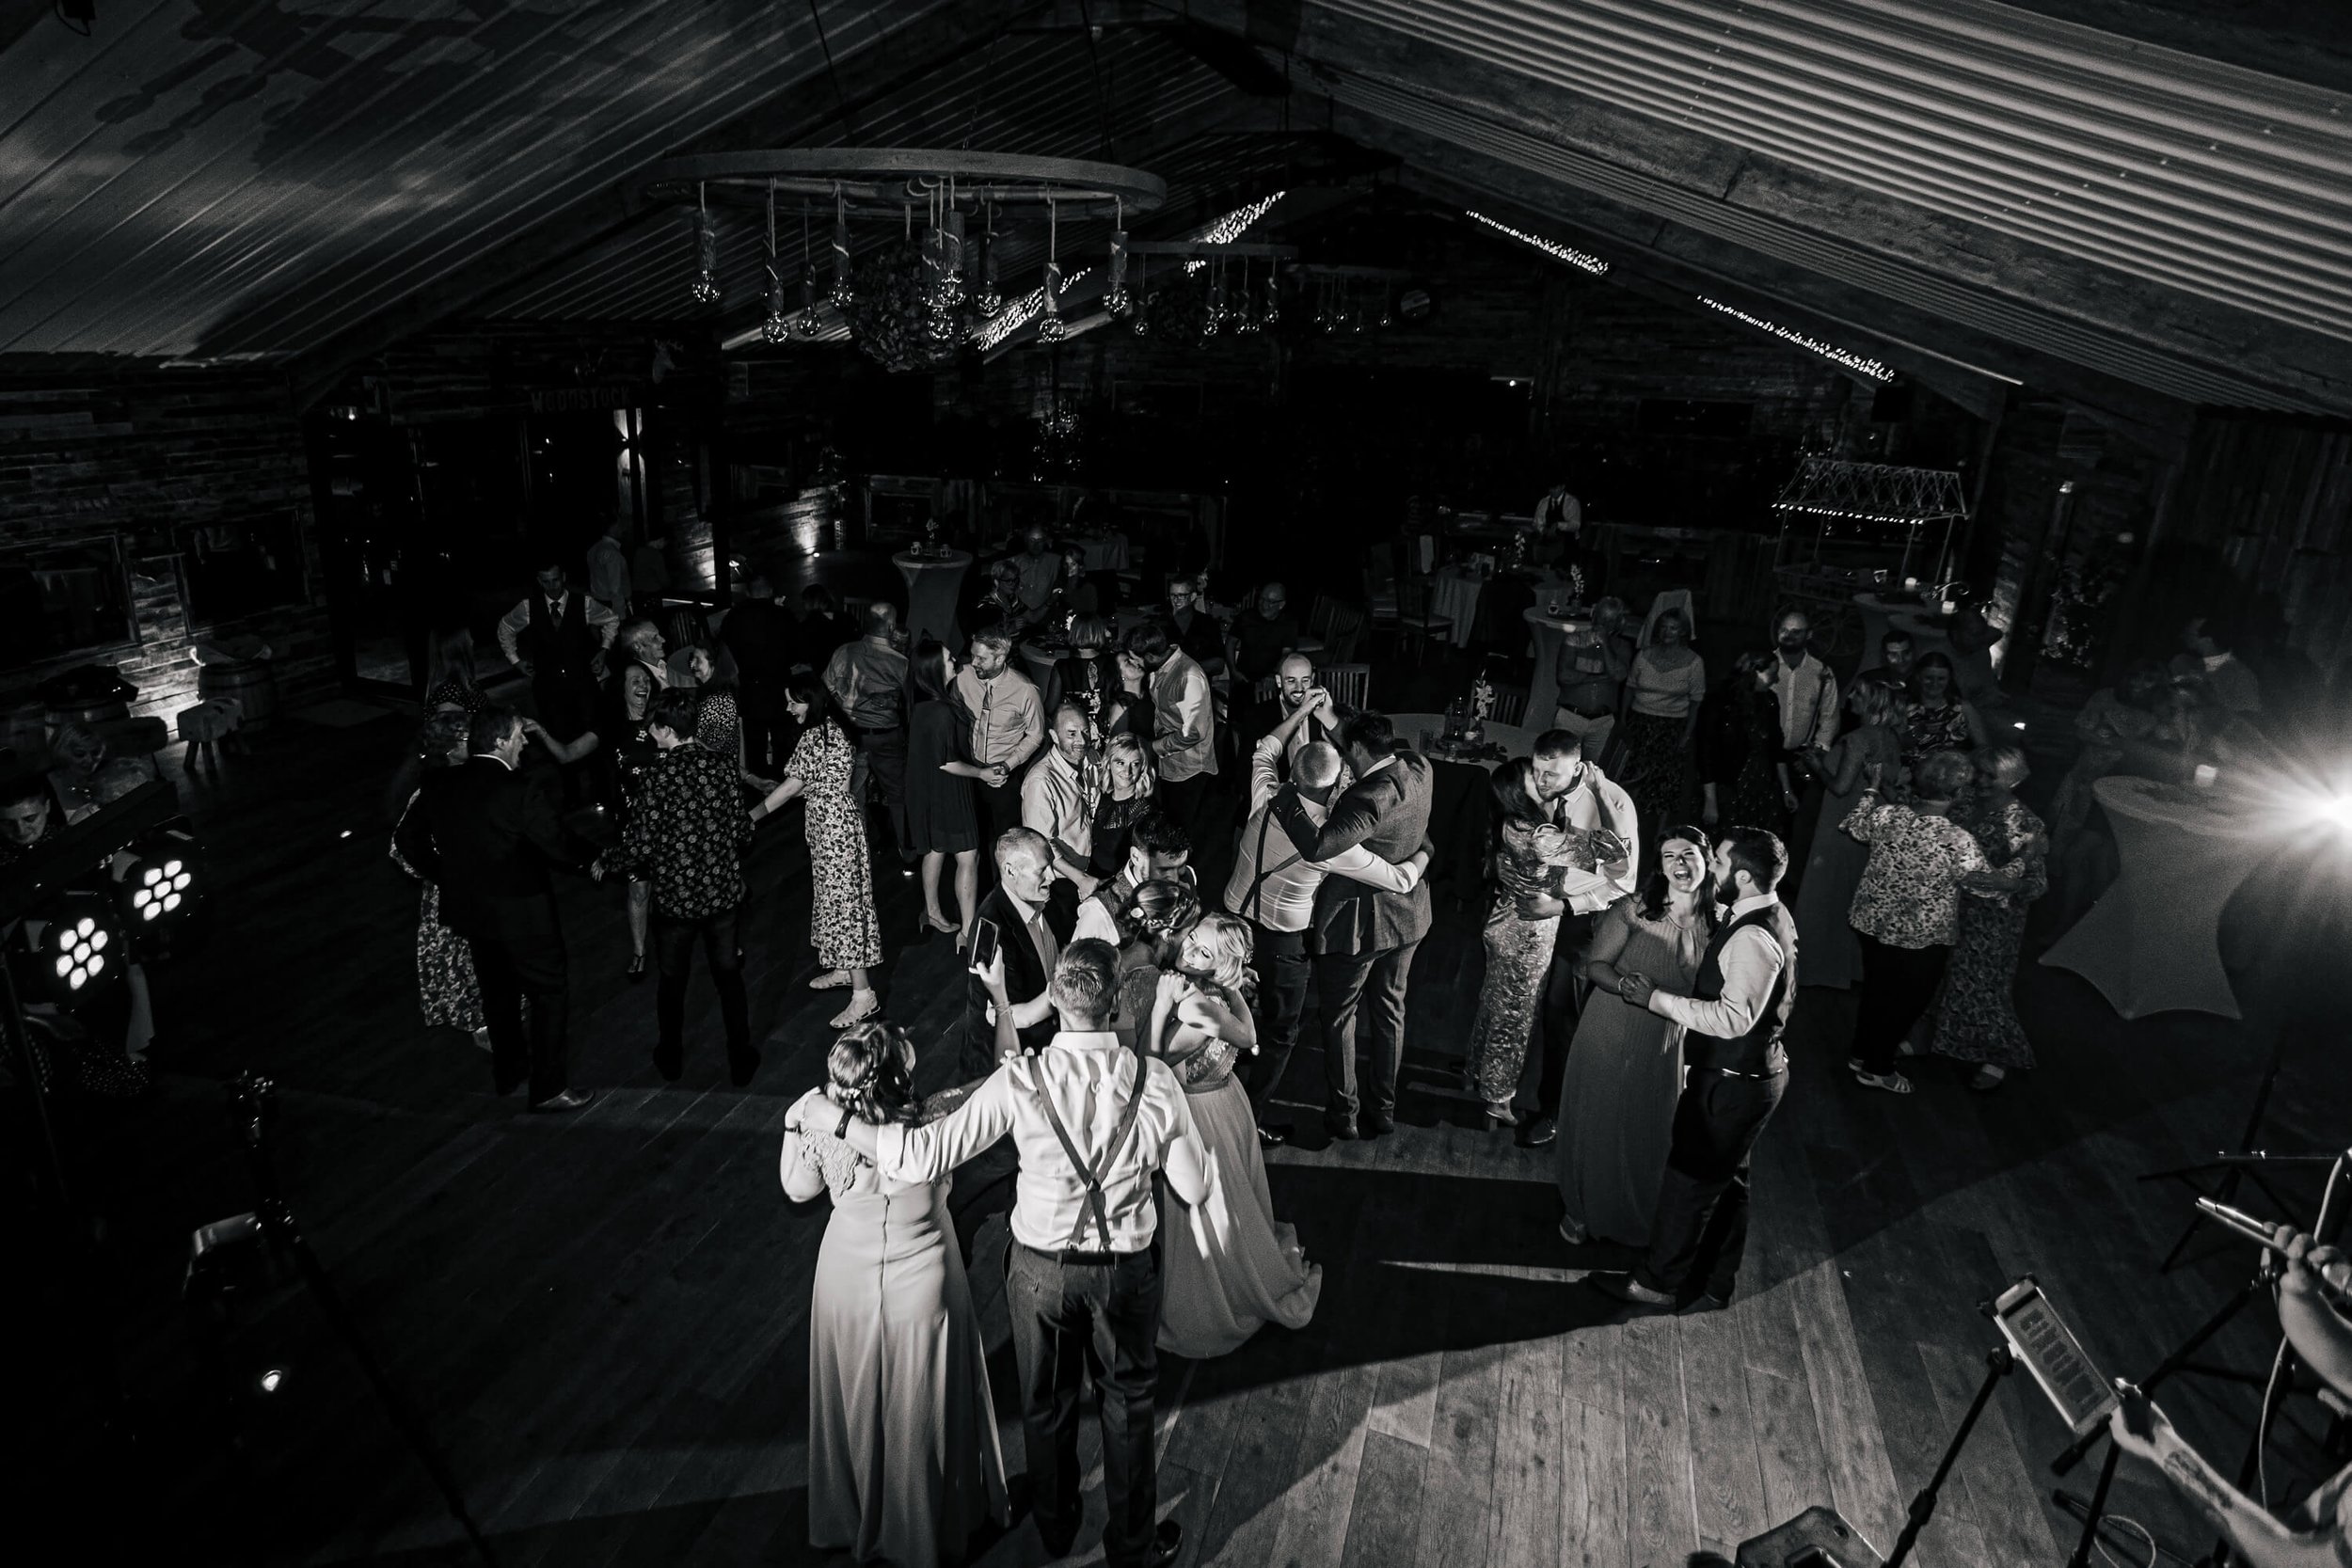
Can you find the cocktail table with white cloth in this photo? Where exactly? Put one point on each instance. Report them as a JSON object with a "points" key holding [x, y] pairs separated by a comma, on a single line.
{"points": [[2153, 943], [1103, 552], [934, 589], [1517, 740], [1549, 632]]}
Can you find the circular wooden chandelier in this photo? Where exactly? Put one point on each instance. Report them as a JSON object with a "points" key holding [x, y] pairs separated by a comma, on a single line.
{"points": [[872, 182]]}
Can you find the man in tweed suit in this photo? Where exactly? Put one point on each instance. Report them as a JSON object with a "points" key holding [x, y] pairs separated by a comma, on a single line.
{"points": [[1363, 938]]}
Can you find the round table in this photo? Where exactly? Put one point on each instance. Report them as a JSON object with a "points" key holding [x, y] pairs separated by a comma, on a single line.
{"points": [[1041, 660], [2153, 943], [1517, 740], [1542, 682], [934, 587]]}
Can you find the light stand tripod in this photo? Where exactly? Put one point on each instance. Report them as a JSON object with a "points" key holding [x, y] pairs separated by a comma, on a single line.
{"points": [[252, 1096], [1998, 1362]]}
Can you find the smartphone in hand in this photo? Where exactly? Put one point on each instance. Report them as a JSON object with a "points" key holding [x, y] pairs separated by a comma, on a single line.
{"points": [[984, 944]]}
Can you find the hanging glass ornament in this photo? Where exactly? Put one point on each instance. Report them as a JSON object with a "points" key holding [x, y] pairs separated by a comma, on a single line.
{"points": [[1141, 322], [777, 327], [806, 321], [989, 299], [1213, 320], [1245, 313], [705, 288], [1272, 292], [1115, 298], [842, 292], [1050, 327], [1387, 308], [951, 285]]}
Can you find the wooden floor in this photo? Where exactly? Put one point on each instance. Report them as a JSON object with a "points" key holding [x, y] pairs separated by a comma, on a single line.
{"points": [[603, 1317]]}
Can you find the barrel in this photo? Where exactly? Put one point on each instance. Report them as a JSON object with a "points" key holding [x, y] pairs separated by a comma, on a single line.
{"points": [[252, 686], [104, 712]]}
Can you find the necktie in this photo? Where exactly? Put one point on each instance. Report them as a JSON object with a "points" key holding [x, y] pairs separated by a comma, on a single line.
{"points": [[1048, 952]]}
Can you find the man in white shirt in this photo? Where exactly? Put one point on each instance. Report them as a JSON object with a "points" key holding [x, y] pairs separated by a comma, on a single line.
{"points": [[1734, 1072], [1008, 723], [1184, 723], [1093, 1122], [1806, 690], [1273, 887], [1578, 794], [1036, 568], [1058, 794]]}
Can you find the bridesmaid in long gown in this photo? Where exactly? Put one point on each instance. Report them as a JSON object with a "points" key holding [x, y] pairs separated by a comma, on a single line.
{"points": [[1522, 921], [1625, 1067], [1833, 868], [1225, 1278], [904, 1461]]}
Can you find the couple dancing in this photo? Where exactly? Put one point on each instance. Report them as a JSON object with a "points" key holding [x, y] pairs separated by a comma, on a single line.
{"points": [[904, 1461]]}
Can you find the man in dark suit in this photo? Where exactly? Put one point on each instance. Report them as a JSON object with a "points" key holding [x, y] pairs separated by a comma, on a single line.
{"points": [[486, 835], [1033, 926], [1363, 940], [760, 634]]}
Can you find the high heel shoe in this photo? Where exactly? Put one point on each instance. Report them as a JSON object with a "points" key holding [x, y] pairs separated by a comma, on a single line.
{"points": [[940, 923], [636, 966]]}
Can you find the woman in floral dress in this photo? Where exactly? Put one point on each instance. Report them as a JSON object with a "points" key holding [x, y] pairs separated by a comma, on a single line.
{"points": [[1521, 921], [1978, 1019], [841, 923], [445, 978]]}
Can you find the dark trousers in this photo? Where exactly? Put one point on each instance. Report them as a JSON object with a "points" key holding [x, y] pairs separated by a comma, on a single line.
{"points": [[1283, 968], [1702, 1226], [1000, 804], [1376, 982], [674, 958], [1563, 1004], [510, 969], [1898, 983], [1800, 830], [766, 731], [1072, 1322], [1187, 802], [886, 753]]}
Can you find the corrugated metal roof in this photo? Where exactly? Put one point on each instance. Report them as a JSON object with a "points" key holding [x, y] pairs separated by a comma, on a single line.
{"points": [[2201, 176], [209, 177]]}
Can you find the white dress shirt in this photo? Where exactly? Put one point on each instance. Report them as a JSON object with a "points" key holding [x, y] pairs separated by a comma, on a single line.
{"points": [[1185, 735], [1597, 801], [599, 615], [1058, 801], [1089, 1078], [1808, 702], [1286, 899], [1749, 962]]}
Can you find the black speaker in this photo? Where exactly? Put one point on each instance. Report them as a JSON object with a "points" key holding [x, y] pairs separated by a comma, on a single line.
{"points": [[1818, 1538]]}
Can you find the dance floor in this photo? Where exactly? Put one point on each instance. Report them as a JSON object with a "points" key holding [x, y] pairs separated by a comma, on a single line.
{"points": [[602, 1317]]}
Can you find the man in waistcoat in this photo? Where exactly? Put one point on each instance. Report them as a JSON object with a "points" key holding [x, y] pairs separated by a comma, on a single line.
{"points": [[553, 635], [1736, 1072], [1093, 1122]]}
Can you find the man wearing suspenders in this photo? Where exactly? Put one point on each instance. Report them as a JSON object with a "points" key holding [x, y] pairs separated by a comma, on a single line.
{"points": [[1094, 1123]]}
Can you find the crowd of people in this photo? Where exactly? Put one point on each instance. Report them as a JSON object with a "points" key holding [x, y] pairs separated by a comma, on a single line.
{"points": [[1149, 857]]}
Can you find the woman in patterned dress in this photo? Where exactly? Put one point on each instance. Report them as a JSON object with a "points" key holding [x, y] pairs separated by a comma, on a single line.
{"points": [[904, 1461], [841, 923], [445, 978], [1240, 1268], [1978, 1020], [1663, 694], [1625, 1068], [1521, 921], [1834, 863], [1907, 907], [621, 735], [1941, 718]]}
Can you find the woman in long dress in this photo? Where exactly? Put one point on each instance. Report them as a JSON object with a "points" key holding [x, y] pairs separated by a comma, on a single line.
{"points": [[1832, 867], [1223, 1279], [904, 1461], [841, 918], [941, 821], [1522, 919], [620, 734], [1743, 783], [1625, 1069], [446, 986], [1977, 1021], [1662, 697]]}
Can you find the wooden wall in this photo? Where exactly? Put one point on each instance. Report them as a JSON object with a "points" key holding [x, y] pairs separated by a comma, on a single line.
{"points": [[137, 454]]}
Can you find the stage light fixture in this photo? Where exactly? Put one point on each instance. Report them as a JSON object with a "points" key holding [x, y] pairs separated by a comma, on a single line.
{"points": [[76, 949], [156, 878]]}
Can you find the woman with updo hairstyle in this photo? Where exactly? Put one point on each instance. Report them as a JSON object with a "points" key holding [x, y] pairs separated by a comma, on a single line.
{"points": [[1151, 927], [446, 984], [903, 1462], [1227, 1278]]}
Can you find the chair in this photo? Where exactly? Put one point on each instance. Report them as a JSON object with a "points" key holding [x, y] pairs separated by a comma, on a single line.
{"points": [[1265, 688], [1341, 633], [1414, 624], [1510, 704], [1381, 585], [1350, 685]]}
